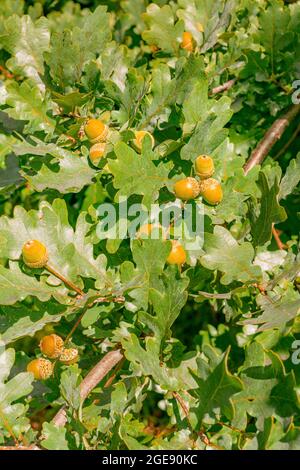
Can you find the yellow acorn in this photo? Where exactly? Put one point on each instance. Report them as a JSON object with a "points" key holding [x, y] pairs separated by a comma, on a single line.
{"points": [[97, 151], [204, 166], [187, 41], [186, 189], [146, 229], [177, 254], [96, 130], [42, 369], [69, 356], [139, 136], [52, 346], [35, 254], [211, 191]]}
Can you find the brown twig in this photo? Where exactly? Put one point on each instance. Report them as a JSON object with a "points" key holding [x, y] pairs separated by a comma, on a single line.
{"points": [[112, 378], [281, 246], [32, 447], [224, 87], [5, 72], [271, 137], [183, 405], [110, 360]]}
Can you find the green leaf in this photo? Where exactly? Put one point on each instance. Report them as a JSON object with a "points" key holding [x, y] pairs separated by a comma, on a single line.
{"points": [[20, 385], [162, 32], [147, 361], [69, 386], [270, 212], [263, 375], [290, 179], [10, 7], [72, 49], [168, 296], [6, 146], [16, 286], [54, 437], [277, 313], [66, 171], [70, 251], [149, 257], [137, 174], [215, 393], [233, 260], [20, 321], [26, 41], [26, 103], [217, 23], [208, 135]]}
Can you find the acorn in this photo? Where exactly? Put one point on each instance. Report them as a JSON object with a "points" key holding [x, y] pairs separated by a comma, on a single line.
{"points": [[186, 189], [177, 254], [146, 230], [35, 254], [204, 166], [69, 356], [96, 130], [52, 346], [138, 140], [97, 151], [42, 369], [187, 41], [211, 191]]}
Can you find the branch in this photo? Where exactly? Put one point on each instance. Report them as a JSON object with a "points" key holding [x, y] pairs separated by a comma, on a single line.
{"points": [[280, 245], [110, 360], [226, 86], [32, 447], [270, 138]]}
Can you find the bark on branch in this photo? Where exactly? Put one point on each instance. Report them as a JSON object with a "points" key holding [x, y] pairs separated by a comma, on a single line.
{"points": [[226, 86], [110, 360], [271, 137]]}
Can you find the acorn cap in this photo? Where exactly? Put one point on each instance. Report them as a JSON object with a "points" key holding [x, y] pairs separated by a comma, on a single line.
{"points": [[69, 356], [186, 189], [211, 191], [96, 130], [204, 166], [97, 151], [41, 368], [52, 346]]}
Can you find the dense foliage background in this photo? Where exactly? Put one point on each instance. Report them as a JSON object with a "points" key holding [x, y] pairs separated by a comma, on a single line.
{"points": [[208, 350]]}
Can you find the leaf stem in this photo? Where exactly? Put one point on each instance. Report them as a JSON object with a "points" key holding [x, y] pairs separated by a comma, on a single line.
{"points": [[64, 279]]}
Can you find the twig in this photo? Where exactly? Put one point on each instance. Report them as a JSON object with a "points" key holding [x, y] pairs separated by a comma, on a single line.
{"points": [[112, 378], [226, 86], [281, 246], [182, 404], [5, 72], [110, 360], [32, 447], [288, 143], [271, 137], [63, 279]]}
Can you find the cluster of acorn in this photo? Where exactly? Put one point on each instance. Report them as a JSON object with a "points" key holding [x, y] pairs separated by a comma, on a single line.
{"points": [[209, 188], [51, 346], [97, 132], [186, 189]]}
